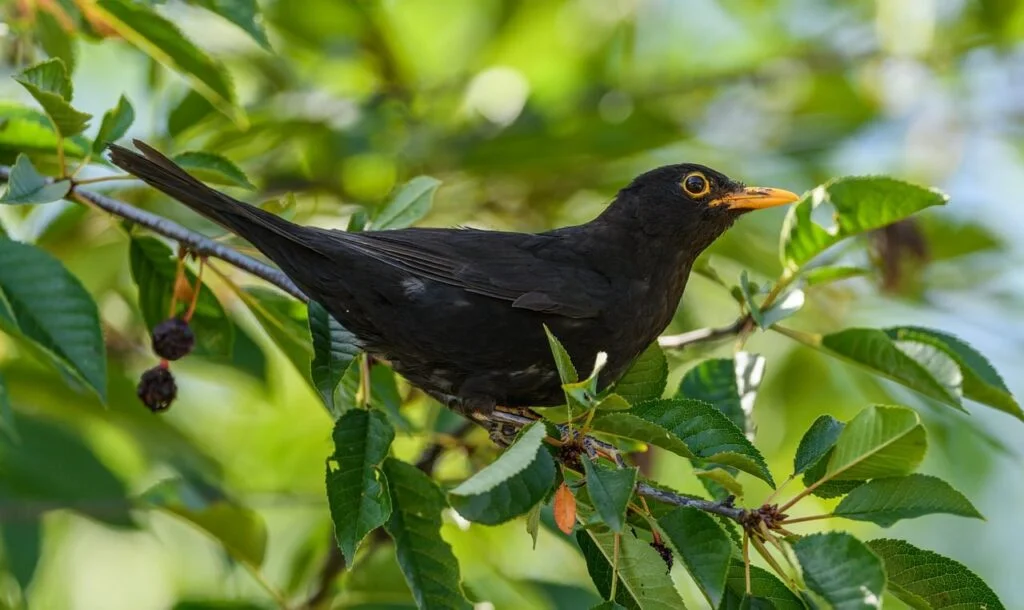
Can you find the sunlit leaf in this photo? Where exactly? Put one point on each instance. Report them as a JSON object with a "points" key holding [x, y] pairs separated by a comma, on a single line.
{"points": [[925, 580], [646, 377], [28, 186], [27, 131], [827, 275], [610, 490], [334, 351], [243, 13], [55, 40], [861, 203], [721, 477], [879, 442], [357, 490], [512, 484], [411, 202], [427, 562], [690, 428], [213, 168], [981, 382], [116, 122], [887, 500], [704, 548], [49, 84], [240, 529], [842, 570], [164, 42], [643, 581], [49, 306], [566, 370]]}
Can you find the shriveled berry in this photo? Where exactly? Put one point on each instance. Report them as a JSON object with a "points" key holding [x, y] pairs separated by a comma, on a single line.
{"points": [[173, 339], [157, 389], [665, 552]]}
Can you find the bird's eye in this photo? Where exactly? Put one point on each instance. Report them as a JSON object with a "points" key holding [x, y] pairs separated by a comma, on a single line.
{"points": [[696, 185]]}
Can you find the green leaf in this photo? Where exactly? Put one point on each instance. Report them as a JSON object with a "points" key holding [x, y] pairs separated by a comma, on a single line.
{"points": [[192, 109], [826, 275], [512, 484], [243, 13], [164, 42], [704, 548], [879, 442], [689, 428], [566, 371], [52, 466], [730, 384], [925, 580], [240, 529], [154, 268], [54, 39], [842, 570], [763, 584], [285, 320], [828, 489], [49, 306], [610, 490], [724, 479], [646, 377], [334, 351], [26, 130], [981, 382], [409, 204], [115, 124], [787, 305], [885, 501], [644, 582], [817, 442], [861, 203], [22, 543], [916, 369], [7, 427], [357, 490], [28, 186], [748, 291], [213, 168], [427, 562], [609, 606], [49, 84]]}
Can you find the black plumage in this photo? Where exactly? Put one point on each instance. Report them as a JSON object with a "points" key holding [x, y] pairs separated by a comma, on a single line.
{"points": [[460, 312]]}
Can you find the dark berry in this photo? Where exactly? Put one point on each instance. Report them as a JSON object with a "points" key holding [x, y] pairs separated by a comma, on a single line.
{"points": [[173, 339], [157, 389]]}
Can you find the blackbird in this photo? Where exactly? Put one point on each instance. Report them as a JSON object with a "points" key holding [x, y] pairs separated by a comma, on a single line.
{"points": [[460, 312]]}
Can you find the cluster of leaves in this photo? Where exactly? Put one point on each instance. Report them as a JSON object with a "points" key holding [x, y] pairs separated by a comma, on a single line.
{"points": [[869, 461]]}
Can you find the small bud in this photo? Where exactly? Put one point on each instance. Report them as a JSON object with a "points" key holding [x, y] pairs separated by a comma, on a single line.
{"points": [[173, 339], [157, 388]]}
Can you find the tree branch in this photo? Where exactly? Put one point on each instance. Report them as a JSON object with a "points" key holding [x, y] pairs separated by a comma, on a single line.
{"points": [[703, 335], [194, 242]]}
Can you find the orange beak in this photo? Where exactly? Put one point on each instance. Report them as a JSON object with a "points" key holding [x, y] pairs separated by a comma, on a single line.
{"points": [[756, 198]]}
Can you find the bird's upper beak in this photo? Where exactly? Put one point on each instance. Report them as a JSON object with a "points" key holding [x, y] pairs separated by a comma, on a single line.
{"points": [[756, 198]]}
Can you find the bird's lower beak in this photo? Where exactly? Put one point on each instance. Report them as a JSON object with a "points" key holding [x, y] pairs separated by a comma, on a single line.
{"points": [[756, 198]]}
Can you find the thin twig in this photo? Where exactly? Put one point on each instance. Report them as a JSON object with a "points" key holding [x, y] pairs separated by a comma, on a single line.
{"points": [[703, 335], [668, 497]]}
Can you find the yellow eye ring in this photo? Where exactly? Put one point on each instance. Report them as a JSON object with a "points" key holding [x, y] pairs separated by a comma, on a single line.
{"points": [[696, 184]]}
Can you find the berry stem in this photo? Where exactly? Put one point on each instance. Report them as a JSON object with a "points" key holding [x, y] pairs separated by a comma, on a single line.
{"points": [[177, 276], [195, 291]]}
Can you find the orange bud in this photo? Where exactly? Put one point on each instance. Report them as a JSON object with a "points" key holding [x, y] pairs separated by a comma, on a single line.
{"points": [[565, 508]]}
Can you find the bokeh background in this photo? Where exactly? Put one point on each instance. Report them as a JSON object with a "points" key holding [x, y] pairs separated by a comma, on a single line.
{"points": [[533, 114]]}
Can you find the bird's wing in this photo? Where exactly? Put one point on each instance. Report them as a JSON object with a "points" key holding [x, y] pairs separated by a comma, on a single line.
{"points": [[530, 271]]}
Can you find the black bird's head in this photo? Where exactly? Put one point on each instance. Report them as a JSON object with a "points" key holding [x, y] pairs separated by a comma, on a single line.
{"points": [[688, 204]]}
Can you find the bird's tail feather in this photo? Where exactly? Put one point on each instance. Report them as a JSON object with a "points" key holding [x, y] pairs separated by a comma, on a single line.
{"points": [[267, 232]]}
